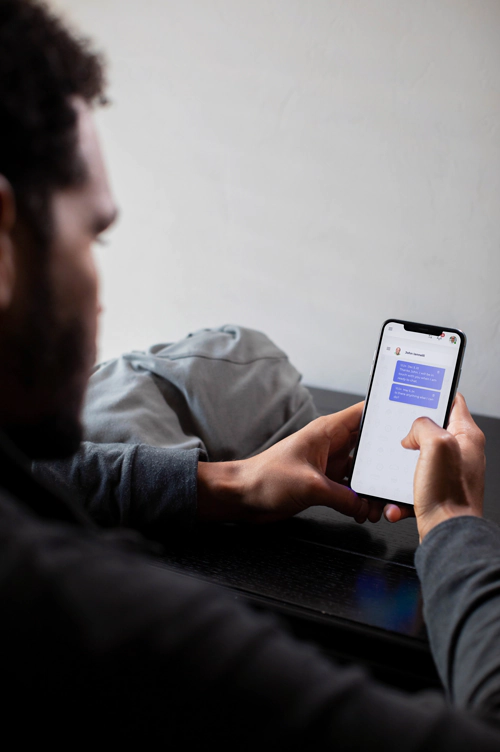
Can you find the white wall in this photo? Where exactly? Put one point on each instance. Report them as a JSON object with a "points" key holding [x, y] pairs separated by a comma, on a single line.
{"points": [[304, 167]]}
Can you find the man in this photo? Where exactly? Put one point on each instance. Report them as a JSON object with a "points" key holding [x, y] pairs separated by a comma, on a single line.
{"points": [[99, 644]]}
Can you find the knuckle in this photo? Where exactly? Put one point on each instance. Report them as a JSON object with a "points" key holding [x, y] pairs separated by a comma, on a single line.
{"points": [[323, 422], [315, 488], [479, 438], [319, 424], [328, 427], [311, 480], [444, 442], [421, 421]]}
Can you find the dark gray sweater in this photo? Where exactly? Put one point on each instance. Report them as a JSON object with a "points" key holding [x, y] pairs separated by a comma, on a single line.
{"points": [[97, 637]]}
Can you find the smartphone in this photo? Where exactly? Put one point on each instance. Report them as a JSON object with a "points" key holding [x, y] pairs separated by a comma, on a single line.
{"points": [[415, 371]]}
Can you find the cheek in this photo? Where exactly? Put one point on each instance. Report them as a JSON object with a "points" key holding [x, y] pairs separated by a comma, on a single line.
{"points": [[90, 281], [76, 287], [89, 301]]}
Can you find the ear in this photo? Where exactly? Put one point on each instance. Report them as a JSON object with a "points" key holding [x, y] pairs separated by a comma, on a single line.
{"points": [[7, 221]]}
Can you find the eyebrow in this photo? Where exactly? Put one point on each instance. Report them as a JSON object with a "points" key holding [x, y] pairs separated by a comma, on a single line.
{"points": [[104, 221]]}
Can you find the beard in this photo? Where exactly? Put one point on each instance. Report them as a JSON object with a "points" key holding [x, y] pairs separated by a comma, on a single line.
{"points": [[46, 364], [55, 431], [54, 437]]}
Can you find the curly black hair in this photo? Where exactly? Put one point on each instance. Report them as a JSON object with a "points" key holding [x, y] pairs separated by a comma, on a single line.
{"points": [[42, 65]]}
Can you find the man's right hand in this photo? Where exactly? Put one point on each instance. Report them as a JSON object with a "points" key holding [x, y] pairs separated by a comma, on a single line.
{"points": [[449, 477]]}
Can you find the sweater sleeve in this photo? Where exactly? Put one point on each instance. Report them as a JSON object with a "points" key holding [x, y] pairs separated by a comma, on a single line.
{"points": [[150, 489], [108, 645], [459, 568]]}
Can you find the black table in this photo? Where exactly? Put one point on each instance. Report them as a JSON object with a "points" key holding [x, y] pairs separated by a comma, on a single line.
{"points": [[352, 589]]}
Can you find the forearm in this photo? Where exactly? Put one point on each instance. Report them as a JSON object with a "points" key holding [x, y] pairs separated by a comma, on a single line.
{"points": [[459, 567], [133, 485]]}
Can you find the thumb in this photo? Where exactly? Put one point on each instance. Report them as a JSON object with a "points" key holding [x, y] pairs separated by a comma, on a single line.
{"points": [[421, 430]]}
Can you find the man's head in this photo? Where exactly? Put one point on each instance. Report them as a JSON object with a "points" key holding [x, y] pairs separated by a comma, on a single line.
{"points": [[54, 202]]}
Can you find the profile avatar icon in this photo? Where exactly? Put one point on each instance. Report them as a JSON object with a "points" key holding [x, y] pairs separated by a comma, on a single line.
{"points": [[453, 340], [398, 351]]}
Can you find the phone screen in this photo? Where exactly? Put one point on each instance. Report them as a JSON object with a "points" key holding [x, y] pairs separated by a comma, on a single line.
{"points": [[414, 374]]}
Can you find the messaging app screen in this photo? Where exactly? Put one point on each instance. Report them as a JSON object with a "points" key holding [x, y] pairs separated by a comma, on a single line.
{"points": [[413, 377]]}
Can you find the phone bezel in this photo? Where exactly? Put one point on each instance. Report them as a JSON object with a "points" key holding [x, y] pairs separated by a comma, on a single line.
{"points": [[424, 329]]}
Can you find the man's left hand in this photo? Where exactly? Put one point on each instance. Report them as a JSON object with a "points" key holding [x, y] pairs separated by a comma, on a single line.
{"points": [[305, 469]]}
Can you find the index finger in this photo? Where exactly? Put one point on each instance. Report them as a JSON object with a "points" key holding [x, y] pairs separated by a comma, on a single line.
{"points": [[395, 513], [460, 411], [462, 425]]}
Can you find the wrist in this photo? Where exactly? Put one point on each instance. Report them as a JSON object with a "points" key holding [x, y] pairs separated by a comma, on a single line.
{"points": [[220, 491], [427, 522]]}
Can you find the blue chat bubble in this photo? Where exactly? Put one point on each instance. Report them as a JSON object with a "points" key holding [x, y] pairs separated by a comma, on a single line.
{"points": [[419, 374], [412, 395]]}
